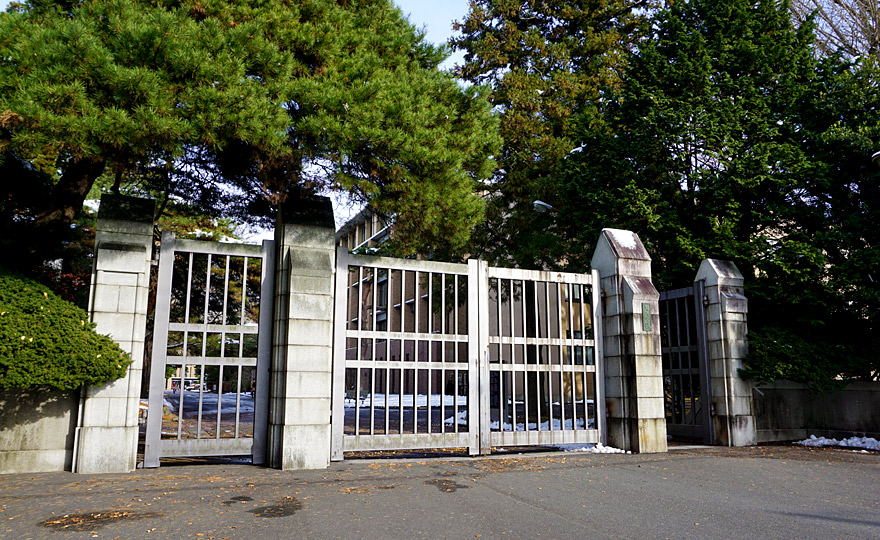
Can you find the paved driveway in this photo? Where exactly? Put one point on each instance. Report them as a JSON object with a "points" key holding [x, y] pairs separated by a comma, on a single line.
{"points": [[769, 492]]}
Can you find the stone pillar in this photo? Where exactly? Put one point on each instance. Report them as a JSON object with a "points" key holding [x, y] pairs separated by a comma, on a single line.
{"points": [[107, 432], [302, 352], [631, 335], [733, 420]]}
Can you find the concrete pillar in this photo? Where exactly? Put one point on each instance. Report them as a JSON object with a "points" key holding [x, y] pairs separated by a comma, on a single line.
{"points": [[302, 352], [631, 331], [107, 432], [726, 310]]}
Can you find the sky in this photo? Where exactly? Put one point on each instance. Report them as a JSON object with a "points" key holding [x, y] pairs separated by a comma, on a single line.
{"points": [[436, 17]]}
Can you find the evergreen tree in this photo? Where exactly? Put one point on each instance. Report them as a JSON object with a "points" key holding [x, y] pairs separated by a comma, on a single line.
{"points": [[235, 106], [728, 140], [545, 61]]}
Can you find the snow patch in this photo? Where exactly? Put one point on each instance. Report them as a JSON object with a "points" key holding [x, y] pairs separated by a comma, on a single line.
{"points": [[92, 205], [393, 400], [853, 442], [597, 448], [545, 426], [626, 239], [462, 419]]}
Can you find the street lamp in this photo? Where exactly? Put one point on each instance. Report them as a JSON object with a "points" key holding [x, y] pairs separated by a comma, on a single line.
{"points": [[875, 158], [541, 206]]}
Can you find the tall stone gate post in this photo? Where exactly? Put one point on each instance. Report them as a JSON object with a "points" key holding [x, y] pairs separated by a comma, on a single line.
{"points": [[107, 432], [734, 420], [302, 352], [631, 323]]}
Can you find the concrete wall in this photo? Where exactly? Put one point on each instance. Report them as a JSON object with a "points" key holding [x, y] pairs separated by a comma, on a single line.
{"points": [[786, 411], [37, 430]]}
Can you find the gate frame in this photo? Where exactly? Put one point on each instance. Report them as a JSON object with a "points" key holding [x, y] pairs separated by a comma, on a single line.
{"points": [[169, 246], [517, 274], [697, 290], [343, 259], [480, 435]]}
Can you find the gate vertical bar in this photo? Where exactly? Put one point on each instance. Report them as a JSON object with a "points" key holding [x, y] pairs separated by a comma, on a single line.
{"points": [[473, 362], [340, 324], [264, 353], [703, 358], [478, 339], [599, 357], [160, 343]]}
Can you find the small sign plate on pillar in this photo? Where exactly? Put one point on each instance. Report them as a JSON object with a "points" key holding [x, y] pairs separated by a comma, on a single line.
{"points": [[646, 317]]}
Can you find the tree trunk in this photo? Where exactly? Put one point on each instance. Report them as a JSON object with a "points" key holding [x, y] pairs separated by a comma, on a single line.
{"points": [[54, 218]]}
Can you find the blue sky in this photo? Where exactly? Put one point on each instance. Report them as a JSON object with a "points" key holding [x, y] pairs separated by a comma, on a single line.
{"points": [[436, 17]]}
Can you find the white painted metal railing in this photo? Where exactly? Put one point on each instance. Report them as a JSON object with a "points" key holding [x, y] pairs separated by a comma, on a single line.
{"points": [[440, 355], [211, 346]]}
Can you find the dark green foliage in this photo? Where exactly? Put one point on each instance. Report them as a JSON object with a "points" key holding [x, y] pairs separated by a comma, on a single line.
{"points": [[46, 342], [729, 140], [781, 354], [546, 62], [700, 155]]}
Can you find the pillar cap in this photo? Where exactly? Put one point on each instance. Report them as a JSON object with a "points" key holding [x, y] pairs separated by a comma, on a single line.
{"points": [[125, 208], [625, 244], [314, 211], [716, 271], [616, 245]]}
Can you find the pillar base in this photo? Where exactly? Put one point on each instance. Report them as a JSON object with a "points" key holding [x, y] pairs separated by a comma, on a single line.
{"points": [[652, 435], [743, 431], [106, 449], [301, 447]]}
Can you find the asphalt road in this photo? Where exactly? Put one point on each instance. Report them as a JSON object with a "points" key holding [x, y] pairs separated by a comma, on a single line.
{"points": [[769, 492]]}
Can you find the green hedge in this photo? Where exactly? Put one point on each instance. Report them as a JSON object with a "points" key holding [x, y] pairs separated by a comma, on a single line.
{"points": [[780, 354], [47, 342]]}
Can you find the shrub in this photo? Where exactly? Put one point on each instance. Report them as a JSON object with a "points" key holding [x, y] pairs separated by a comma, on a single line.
{"points": [[781, 354], [47, 342]]}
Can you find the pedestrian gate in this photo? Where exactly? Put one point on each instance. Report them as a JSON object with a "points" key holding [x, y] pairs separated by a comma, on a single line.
{"points": [[442, 355], [211, 344], [686, 385]]}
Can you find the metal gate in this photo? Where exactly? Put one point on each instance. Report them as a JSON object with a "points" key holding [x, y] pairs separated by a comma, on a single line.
{"points": [[441, 355], [540, 379], [211, 346], [686, 385], [402, 373]]}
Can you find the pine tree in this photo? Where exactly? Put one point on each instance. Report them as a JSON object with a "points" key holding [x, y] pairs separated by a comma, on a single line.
{"points": [[235, 106]]}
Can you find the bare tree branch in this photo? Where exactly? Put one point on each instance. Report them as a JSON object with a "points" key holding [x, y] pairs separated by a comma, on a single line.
{"points": [[851, 27]]}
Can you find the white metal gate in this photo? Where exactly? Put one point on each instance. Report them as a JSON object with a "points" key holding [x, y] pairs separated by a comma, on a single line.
{"points": [[211, 349], [403, 373], [541, 380], [441, 355]]}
